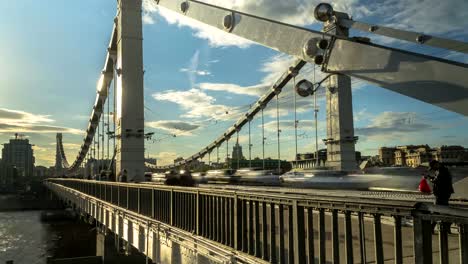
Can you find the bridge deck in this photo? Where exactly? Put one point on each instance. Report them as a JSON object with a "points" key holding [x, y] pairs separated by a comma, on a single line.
{"points": [[251, 224], [346, 193]]}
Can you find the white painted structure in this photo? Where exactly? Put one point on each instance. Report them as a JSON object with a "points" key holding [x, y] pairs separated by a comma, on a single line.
{"points": [[340, 141], [129, 94]]}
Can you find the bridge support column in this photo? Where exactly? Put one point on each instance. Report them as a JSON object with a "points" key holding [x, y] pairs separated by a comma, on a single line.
{"points": [[130, 104], [108, 249], [340, 139], [58, 155]]}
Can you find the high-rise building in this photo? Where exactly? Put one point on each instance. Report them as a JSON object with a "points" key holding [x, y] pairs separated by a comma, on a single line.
{"points": [[19, 153], [237, 152], [8, 174]]}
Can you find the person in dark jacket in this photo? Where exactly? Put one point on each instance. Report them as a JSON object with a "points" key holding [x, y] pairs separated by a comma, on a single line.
{"points": [[442, 187], [123, 176], [442, 182]]}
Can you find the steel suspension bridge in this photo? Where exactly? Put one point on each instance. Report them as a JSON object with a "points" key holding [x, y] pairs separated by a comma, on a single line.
{"points": [[252, 227]]}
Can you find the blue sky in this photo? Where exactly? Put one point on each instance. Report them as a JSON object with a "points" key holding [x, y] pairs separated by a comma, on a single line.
{"points": [[51, 56]]}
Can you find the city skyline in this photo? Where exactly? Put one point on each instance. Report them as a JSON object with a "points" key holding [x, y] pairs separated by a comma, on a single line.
{"points": [[197, 80]]}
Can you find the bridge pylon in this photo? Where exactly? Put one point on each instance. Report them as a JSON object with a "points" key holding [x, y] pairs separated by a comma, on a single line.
{"points": [[128, 73], [58, 155], [340, 139]]}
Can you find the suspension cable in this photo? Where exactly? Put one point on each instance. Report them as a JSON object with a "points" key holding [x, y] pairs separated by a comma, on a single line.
{"points": [[263, 140], [237, 150], [316, 125], [209, 159], [114, 116], [278, 130], [108, 122], [227, 153], [295, 119], [87, 163], [329, 119], [250, 148], [94, 153], [217, 156], [102, 138], [98, 149]]}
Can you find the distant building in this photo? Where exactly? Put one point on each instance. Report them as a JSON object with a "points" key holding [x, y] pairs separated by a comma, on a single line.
{"points": [[19, 153], [387, 156], [309, 160], [8, 175], [152, 161], [414, 158], [410, 154], [415, 155], [237, 152], [450, 154], [41, 171], [270, 164]]}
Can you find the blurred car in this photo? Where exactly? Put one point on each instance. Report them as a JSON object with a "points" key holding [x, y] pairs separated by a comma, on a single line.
{"points": [[330, 179], [256, 176], [148, 176], [159, 178], [199, 177], [220, 176]]}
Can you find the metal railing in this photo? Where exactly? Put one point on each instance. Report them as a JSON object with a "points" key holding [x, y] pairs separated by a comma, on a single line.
{"points": [[295, 228]]}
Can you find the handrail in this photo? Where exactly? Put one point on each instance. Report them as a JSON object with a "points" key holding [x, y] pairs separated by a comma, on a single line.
{"points": [[393, 205]]}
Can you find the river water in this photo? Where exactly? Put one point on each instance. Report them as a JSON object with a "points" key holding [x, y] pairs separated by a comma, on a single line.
{"points": [[24, 238]]}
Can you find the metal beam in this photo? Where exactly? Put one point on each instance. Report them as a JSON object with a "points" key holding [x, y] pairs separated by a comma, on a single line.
{"points": [[432, 80], [440, 82], [405, 35]]}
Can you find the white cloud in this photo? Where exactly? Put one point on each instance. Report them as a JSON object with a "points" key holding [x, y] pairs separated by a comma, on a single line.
{"points": [[15, 121], [197, 103], [20, 117], [165, 158], [429, 16], [197, 72], [193, 68], [38, 148], [362, 115], [148, 18], [215, 37], [177, 127], [394, 124], [254, 90]]}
